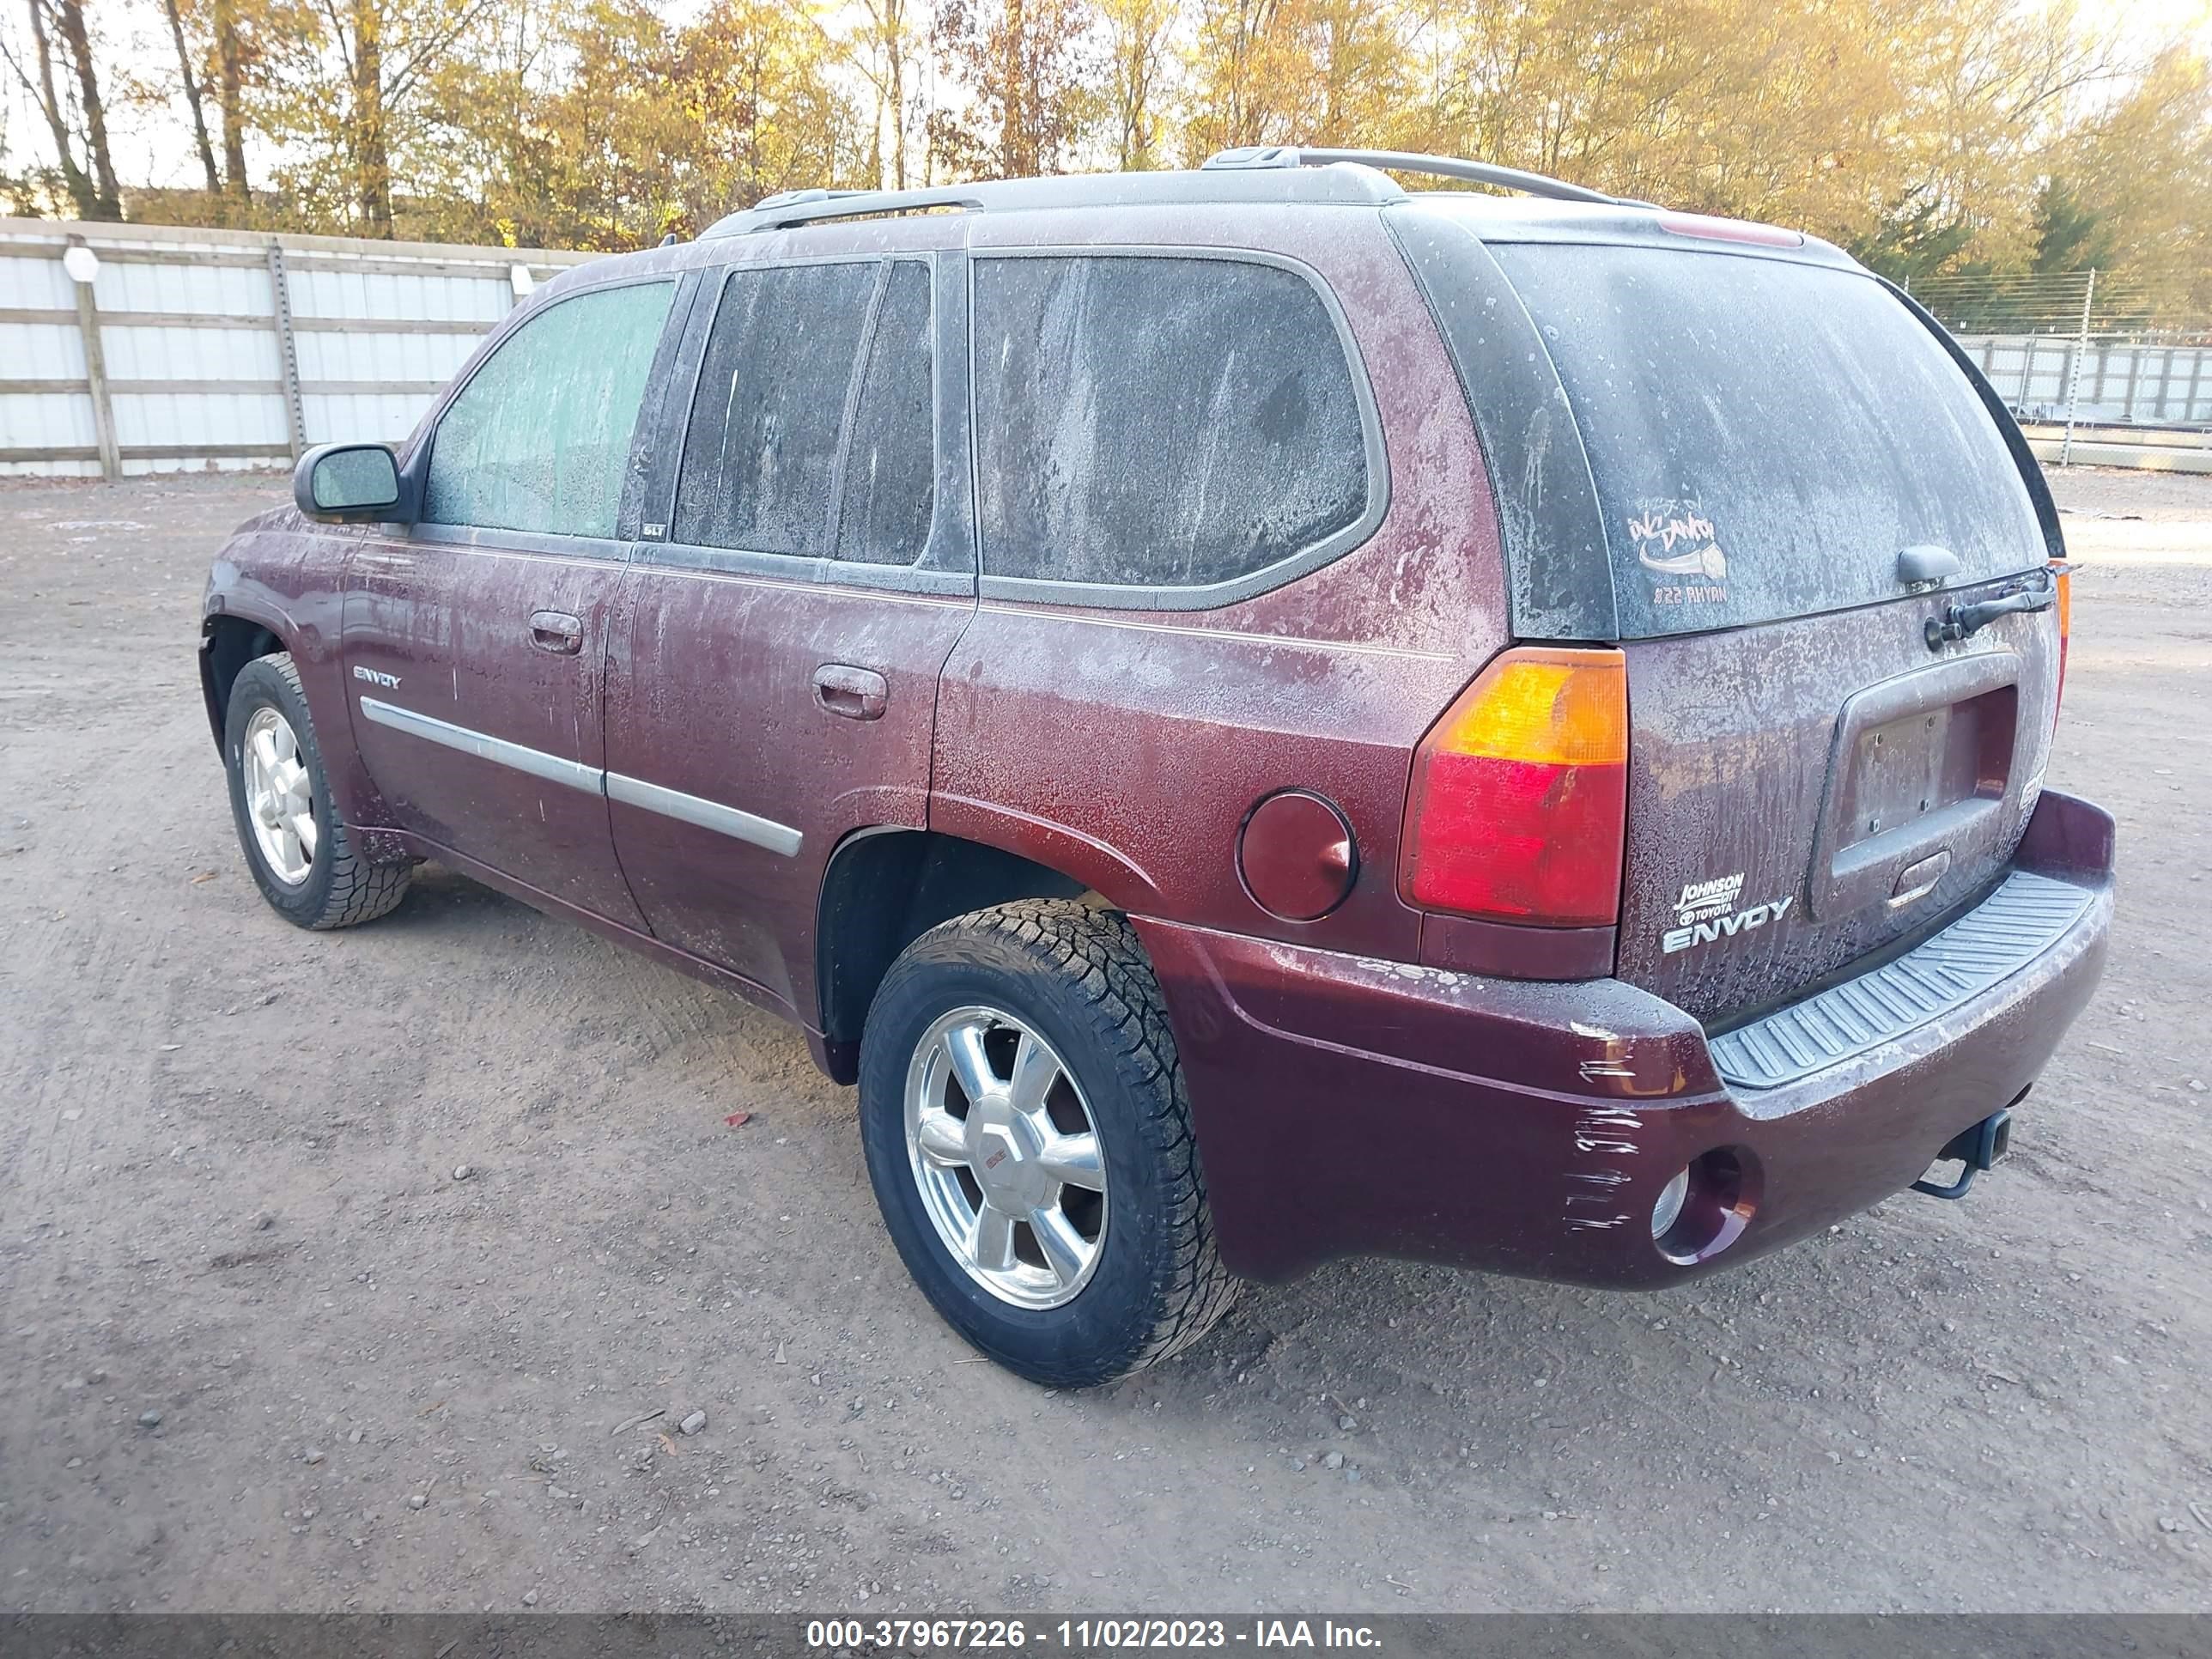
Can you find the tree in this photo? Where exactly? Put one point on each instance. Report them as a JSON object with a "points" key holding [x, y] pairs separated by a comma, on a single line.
{"points": [[214, 56], [756, 78], [2071, 235], [348, 88], [232, 53], [882, 49], [1140, 39], [192, 88], [1030, 69], [68, 96], [1288, 71], [602, 127], [2141, 170]]}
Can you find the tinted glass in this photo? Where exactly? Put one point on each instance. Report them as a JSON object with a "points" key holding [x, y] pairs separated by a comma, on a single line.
{"points": [[891, 464], [1158, 422], [539, 437], [1767, 437], [760, 456]]}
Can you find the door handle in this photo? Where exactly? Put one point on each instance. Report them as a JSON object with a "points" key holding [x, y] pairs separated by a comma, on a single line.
{"points": [[556, 631], [857, 694]]}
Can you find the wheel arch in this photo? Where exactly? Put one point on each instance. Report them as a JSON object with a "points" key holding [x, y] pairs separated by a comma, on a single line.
{"points": [[233, 637], [228, 642], [885, 888]]}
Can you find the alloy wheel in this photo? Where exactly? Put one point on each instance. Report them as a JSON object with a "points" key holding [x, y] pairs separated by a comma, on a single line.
{"points": [[279, 796], [1005, 1153]]}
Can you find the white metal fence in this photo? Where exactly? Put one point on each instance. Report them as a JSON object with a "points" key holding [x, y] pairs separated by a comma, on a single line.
{"points": [[2120, 382], [129, 349]]}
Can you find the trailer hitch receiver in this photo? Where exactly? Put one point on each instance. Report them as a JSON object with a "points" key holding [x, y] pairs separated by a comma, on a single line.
{"points": [[1978, 1147]]}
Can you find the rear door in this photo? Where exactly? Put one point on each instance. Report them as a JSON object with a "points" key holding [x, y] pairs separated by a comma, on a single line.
{"points": [[773, 686], [476, 641], [1778, 449]]}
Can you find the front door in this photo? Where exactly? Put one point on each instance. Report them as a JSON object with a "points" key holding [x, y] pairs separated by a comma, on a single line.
{"points": [[774, 688], [475, 642]]}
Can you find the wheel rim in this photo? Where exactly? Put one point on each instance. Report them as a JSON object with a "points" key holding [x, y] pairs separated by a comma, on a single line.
{"points": [[278, 797], [1005, 1151]]}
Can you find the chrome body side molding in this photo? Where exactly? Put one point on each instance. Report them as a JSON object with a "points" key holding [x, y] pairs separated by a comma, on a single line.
{"points": [[748, 827]]}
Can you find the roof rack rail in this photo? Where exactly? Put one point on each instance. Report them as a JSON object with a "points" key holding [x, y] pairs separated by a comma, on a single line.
{"points": [[1254, 157], [791, 207], [1262, 173]]}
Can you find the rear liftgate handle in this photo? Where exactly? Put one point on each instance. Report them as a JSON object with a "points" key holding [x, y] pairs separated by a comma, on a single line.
{"points": [[557, 632], [857, 694]]}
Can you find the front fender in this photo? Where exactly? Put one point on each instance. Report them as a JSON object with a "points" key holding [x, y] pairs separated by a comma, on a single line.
{"points": [[279, 583]]}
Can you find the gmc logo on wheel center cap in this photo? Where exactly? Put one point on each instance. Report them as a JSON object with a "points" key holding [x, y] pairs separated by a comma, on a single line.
{"points": [[995, 1159]]}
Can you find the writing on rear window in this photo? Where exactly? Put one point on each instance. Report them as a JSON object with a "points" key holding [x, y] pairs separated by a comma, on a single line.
{"points": [[1675, 544]]}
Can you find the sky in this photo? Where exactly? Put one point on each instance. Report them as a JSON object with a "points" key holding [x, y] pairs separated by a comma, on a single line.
{"points": [[152, 142]]}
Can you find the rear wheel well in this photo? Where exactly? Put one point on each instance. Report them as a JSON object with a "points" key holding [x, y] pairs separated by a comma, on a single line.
{"points": [[231, 642], [886, 888]]}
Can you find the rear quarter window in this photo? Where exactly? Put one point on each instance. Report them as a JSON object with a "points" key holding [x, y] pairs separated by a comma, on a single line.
{"points": [[1161, 422], [1766, 436]]}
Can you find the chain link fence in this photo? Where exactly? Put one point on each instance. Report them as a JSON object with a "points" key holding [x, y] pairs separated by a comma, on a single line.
{"points": [[2084, 349]]}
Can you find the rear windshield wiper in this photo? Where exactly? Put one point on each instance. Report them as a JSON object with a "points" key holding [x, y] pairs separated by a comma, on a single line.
{"points": [[1961, 620]]}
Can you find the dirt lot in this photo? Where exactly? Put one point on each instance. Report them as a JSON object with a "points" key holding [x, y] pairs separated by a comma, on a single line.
{"points": [[229, 1195]]}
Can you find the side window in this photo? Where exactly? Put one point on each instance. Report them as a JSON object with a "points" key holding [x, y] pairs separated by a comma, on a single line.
{"points": [[539, 437], [760, 457], [1158, 422], [891, 464]]}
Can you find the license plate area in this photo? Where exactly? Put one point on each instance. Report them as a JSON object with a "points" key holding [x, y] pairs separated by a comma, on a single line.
{"points": [[1905, 770], [1919, 778]]}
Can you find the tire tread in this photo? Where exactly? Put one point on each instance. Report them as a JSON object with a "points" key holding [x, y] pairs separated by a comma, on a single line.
{"points": [[359, 890], [1098, 953]]}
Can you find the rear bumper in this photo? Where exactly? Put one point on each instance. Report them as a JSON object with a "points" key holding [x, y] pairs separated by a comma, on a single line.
{"points": [[1346, 1106]]}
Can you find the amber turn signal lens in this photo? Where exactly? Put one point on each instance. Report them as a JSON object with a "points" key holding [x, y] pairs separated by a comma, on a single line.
{"points": [[1519, 801]]}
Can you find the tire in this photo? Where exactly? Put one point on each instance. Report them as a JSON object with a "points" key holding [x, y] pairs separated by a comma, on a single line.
{"points": [[336, 887], [1077, 979]]}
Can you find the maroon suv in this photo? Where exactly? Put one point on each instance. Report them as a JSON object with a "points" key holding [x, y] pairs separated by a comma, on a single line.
{"points": [[1259, 715]]}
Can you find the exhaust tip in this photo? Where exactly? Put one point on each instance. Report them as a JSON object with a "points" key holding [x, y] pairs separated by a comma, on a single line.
{"points": [[1706, 1206]]}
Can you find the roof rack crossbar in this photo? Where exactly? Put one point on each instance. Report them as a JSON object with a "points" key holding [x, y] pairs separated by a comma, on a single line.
{"points": [[803, 207], [1441, 166]]}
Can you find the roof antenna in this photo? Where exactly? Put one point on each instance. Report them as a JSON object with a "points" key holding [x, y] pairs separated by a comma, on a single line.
{"points": [[669, 240]]}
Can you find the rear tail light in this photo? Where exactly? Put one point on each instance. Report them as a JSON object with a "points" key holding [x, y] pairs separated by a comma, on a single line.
{"points": [[1519, 800], [2062, 576]]}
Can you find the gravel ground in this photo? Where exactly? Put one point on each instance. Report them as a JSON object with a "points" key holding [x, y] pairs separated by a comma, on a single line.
{"points": [[264, 1346]]}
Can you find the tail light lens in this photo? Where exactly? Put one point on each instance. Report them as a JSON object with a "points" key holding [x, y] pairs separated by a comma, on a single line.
{"points": [[1519, 800], [2063, 577]]}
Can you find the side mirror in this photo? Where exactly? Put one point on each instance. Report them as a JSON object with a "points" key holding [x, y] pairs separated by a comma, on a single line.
{"points": [[351, 483]]}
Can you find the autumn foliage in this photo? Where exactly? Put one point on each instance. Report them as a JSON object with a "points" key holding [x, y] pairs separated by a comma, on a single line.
{"points": [[1996, 135]]}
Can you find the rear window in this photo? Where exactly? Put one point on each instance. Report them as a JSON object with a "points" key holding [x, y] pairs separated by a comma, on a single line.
{"points": [[1160, 422], [1765, 436]]}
